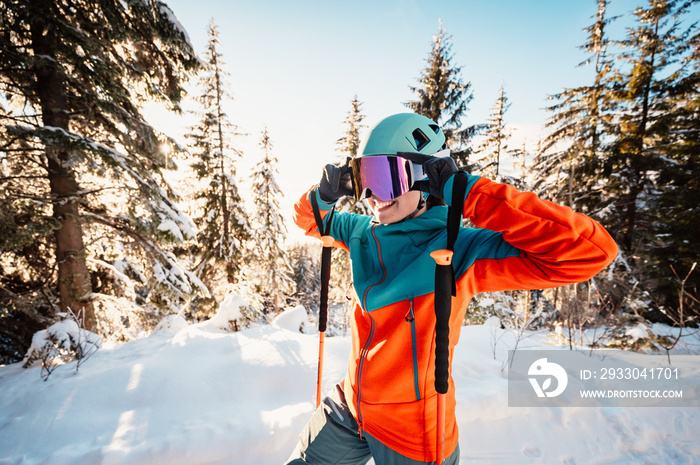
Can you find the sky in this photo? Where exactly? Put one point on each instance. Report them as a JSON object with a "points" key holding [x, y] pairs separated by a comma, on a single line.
{"points": [[294, 67]]}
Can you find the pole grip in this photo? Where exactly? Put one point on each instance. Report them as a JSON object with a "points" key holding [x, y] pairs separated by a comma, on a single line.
{"points": [[325, 278], [444, 283], [443, 306]]}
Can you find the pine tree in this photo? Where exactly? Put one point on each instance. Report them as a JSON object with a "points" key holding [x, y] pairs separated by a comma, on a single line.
{"points": [[443, 97], [569, 168], [222, 220], [627, 157], [348, 145], [651, 49], [495, 144], [675, 213], [306, 274], [83, 164], [271, 261], [570, 161]]}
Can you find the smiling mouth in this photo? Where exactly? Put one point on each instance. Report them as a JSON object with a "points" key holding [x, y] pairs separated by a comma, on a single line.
{"points": [[379, 205]]}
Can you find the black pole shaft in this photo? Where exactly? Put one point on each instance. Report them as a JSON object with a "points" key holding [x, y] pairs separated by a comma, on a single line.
{"points": [[443, 307], [325, 278]]}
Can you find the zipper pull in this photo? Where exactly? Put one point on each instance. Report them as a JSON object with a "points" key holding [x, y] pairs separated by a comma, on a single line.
{"points": [[409, 315]]}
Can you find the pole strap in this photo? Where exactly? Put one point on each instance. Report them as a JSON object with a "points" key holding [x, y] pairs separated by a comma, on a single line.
{"points": [[454, 215]]}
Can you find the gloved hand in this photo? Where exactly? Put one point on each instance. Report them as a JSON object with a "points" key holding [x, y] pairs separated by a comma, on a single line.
{"points": [[438, 170], [336, 182]]}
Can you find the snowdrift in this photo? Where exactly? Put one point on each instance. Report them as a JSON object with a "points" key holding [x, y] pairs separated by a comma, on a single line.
{"points": [[197, 394]]}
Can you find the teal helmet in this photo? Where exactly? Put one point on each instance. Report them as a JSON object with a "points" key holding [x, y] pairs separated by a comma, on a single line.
{"points": [[403, 132]]}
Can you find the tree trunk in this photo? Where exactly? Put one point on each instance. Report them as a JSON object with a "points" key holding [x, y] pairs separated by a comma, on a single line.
{"points": [[73, 276]]}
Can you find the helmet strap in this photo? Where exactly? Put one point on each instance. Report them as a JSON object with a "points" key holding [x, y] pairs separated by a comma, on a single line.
{"points": [[421, 204]]}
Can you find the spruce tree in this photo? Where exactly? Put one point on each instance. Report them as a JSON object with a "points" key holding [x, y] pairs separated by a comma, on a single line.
{"points": [[569, 165], [347, 146], [306, 274], [651, 165], [653, 53], [272, 269], [443, 97], [495, 144], [84, 166], [675, 212], [221, 219]]}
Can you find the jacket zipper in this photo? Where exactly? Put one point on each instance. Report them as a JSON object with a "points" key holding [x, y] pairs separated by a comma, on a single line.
{"points": [[365, 348], [411, 318]]}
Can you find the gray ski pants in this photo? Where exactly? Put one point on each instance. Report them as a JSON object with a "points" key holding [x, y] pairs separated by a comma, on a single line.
{"points": [[331, 438]]}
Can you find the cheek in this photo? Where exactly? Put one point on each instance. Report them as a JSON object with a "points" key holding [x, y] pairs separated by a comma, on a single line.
{"points": [[409, 202]]}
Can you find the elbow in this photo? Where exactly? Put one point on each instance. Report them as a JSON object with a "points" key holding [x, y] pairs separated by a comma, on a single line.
{"points": [[606, 253], [612, 253]]}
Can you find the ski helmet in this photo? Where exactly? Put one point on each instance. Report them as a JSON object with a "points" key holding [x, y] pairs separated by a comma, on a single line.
{"points": [[403, 132]]}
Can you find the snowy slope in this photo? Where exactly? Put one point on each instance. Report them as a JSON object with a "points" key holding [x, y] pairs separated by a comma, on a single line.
{"points": [[200, 395]]}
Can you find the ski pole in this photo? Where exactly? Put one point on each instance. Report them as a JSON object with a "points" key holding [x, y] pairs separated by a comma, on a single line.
{"points": [[323, 310], [327, 241], [445, 288], [444, 279]]}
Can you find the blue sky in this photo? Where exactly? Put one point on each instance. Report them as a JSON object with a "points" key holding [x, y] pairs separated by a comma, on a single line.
{"points": [[295, 65]]}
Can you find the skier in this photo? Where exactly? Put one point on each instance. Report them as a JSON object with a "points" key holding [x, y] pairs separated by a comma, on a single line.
{"points": [[385, 407]]}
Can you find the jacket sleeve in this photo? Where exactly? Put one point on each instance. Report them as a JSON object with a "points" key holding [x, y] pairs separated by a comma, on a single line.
{"points": [[304, 217], [557, 245]]}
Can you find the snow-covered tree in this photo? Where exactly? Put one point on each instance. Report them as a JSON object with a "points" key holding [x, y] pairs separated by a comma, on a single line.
{"points": [[306, 273], [221, 219], [623, 149], [81, 167], [495, 143], [442, 96], [271, 265], [348, 146], [654, 53], [659, 145], [570, 161]]}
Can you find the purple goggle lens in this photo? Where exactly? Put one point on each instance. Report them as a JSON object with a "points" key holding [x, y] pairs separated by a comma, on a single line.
{"points": [[384, 176]]}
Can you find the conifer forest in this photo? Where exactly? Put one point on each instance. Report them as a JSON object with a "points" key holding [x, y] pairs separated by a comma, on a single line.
{"points": [[95, 225]]}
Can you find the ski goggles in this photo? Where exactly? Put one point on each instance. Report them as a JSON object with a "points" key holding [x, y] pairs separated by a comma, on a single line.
{"points": [[384, 176]]}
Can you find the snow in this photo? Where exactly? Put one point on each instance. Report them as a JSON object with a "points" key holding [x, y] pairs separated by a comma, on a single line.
{"points": [[229, 310], [169, 225], [168, 13], [637, 332], [61, 338], [195, 394], [293, 320]]}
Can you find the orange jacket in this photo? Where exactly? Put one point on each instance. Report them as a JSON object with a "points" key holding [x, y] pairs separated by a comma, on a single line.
{"points": [[521, 242]]}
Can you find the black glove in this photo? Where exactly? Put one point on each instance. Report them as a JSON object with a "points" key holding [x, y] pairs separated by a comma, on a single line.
{"points": [[438, 170], [336, 182]]}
